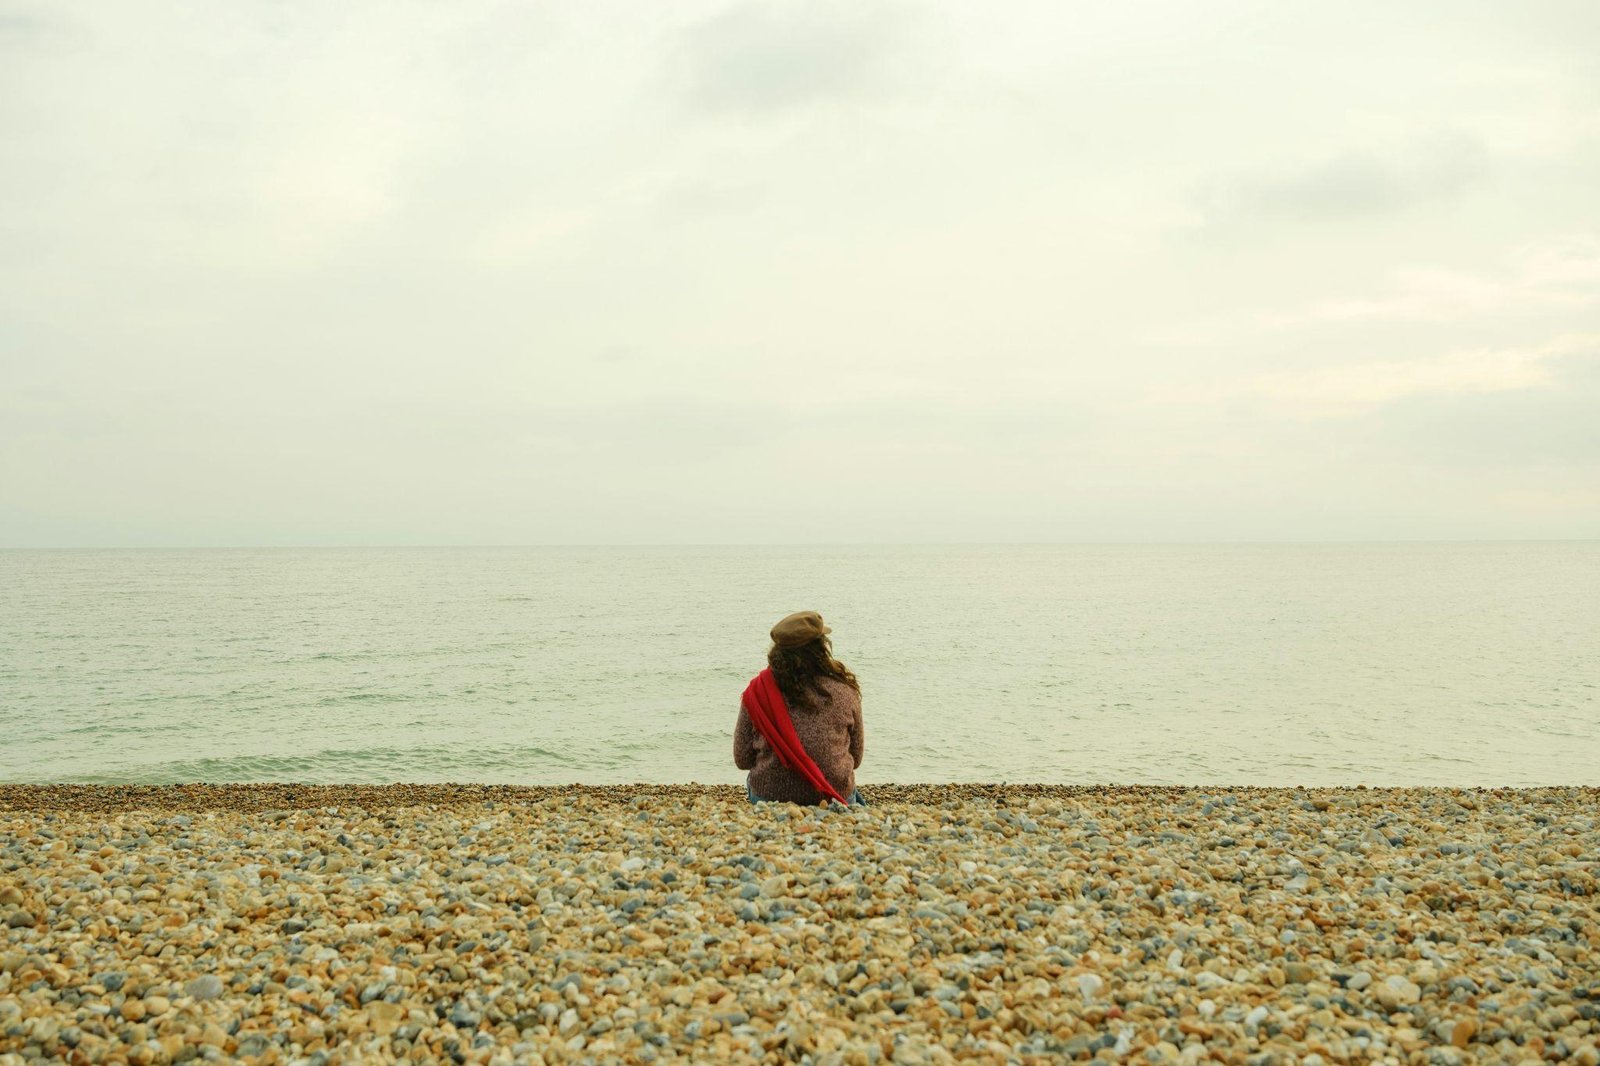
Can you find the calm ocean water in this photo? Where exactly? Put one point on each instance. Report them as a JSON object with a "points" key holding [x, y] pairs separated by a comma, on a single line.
{"points": [[1270, 664]]}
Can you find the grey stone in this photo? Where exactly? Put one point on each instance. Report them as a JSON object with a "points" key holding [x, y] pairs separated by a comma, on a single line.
{"points": [[208, 986], [254, 1044]]}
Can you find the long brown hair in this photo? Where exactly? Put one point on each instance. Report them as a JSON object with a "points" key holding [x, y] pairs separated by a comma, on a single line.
{"points": [[800, 671]]}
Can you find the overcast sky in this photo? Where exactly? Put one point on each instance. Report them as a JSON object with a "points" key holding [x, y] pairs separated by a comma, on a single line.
{"points": [[468, 273]]}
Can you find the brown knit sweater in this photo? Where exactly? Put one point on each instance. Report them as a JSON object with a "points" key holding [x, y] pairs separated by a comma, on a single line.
{"points": [[831, 733]]}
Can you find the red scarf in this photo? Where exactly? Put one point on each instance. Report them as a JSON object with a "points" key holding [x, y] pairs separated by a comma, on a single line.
{"points": [[770, 715]]}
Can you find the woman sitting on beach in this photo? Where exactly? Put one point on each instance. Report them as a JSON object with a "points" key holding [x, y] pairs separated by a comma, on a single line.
{"points": [[799, 730]]}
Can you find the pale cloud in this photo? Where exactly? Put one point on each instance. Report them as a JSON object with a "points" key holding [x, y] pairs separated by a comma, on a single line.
{"points": [[527, 232], [762, 57], [1562, 504], [1353, 183], [1564, 273], [1357, 388], [21, 23], [1557, 275], [618, 271]]}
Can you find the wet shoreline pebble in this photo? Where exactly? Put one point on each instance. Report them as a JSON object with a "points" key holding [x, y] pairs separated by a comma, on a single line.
{"points": [[991, 923]]}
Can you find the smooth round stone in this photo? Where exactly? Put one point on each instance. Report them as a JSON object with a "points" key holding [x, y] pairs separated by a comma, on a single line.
{"points": [[206, 987], [932, 925]]}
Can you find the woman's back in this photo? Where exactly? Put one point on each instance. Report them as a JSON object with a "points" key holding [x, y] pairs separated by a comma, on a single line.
{"points": [[829, 729]]}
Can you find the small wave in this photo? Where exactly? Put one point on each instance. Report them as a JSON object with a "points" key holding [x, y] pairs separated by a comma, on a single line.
{"points": [[357, 765], [363, 697], [109, 729], [674, 741]]}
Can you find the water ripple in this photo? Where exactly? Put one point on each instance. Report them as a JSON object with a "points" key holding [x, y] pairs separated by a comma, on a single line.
{"points": [[1264, 664]]}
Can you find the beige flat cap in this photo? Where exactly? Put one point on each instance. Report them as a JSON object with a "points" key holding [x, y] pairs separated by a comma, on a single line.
{"points": [[799, 628]]}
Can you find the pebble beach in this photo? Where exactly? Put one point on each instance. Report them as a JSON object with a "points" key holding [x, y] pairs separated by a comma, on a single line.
{"points": [[499, 924]]}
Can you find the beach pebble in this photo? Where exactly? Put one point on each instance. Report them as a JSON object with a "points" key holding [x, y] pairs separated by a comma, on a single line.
{"points": [[1397, 991], [206, 987], [1299, 973], [384, 1018], [943, 924]]}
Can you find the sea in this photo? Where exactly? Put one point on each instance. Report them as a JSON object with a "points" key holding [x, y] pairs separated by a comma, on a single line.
{"points": [[1467, 664]]}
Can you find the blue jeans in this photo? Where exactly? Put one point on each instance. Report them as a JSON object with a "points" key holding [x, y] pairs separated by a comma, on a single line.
{"points": [[855, 797]]}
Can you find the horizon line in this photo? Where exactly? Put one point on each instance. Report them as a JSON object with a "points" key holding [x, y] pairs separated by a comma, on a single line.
{"points": [[505, 546]]}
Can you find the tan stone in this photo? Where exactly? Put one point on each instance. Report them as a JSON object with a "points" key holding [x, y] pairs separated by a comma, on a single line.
{"points": [[385, 1018], [502, 936]]}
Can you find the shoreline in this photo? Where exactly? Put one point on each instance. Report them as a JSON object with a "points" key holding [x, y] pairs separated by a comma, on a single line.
{"points": [[320, 924], [273, 795]]}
